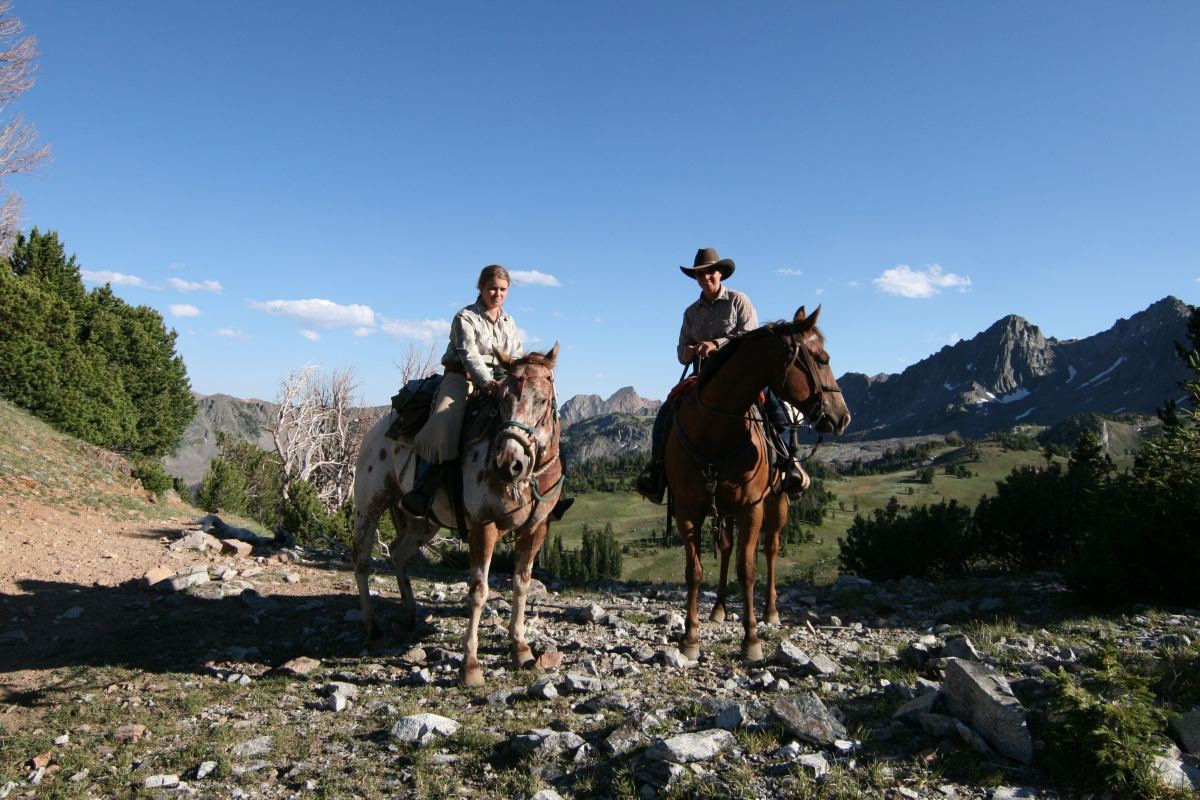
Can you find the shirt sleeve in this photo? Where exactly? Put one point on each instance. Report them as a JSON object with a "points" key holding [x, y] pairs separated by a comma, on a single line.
{"points": [[517, 349], [685, 337], [747, 317], [465, 340]]}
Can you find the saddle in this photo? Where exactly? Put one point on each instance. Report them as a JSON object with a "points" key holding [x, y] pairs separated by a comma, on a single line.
{"points": [[413, 404]]}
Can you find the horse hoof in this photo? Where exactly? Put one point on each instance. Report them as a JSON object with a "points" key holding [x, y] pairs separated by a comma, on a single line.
{"points": [[717, 615], [376, 644], [471, 677], [752, 652], [690, 651], [772, 618], [404, 635], [523, 659]]}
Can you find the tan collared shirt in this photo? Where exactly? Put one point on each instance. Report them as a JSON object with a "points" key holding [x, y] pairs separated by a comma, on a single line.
{"points": [[730, 314], [475, 340]]}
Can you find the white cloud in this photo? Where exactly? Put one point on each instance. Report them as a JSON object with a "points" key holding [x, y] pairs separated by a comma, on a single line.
{"points": [[533, 278], [904, 281], [183, 310], [364, 331], [599, 320], [425, 330], [789, 272], [312, 336], [317, 313], [820, 291], [232, 334], [955, 338], [176, 265], [104, 276], [185, 286], [526, 337], [559, 313], [600, 376], [854, 283]]}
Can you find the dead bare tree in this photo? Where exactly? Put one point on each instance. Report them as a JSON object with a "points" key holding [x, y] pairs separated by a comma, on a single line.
{"points": [[418, 362], [19, 150], [317, 431]]}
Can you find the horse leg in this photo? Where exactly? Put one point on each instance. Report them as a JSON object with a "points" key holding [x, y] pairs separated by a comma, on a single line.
{"points": [[528, 544], [483, 541], [690, 531], [403, 547], [749, 521], [365, 522], [774, 517], [724, 536]]}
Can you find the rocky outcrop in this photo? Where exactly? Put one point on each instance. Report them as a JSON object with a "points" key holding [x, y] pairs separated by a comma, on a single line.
{"points": [[1011, 373], [623, 401], [982, 698]]}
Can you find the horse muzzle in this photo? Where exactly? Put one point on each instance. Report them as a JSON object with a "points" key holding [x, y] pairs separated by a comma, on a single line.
{"points": [[514, 459]]}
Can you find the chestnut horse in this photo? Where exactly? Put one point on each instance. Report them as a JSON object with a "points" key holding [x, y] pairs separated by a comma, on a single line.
{"points": [[512, 475], [716, 456]]}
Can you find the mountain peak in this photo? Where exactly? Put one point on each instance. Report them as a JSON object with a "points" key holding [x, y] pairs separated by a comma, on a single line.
{"points": [[625, 400]]}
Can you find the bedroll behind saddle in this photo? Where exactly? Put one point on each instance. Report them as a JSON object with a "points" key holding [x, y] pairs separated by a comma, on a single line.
{"points": [[413, 405]]}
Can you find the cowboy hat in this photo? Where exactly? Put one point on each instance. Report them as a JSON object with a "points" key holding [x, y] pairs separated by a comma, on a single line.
{"points": [[706, 258]]}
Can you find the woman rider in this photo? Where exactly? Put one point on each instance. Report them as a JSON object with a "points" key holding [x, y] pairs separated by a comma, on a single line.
{"points": [[477, 334], [708, 324]]}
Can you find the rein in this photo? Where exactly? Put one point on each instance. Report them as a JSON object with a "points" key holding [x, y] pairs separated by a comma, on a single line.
{"points": [[529, 444]]}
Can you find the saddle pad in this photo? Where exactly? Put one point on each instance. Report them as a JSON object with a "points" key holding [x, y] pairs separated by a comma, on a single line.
{"points": [[680, 388]]}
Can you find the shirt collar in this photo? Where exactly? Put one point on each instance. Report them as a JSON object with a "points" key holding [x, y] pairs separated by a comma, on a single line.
{"points": [[481, 310], [721, 295]]}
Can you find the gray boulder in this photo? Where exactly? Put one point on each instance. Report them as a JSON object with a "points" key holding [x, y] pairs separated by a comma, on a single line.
{"points": [[545, 742], [790, 653], [822, 665], [623, 739], [689, 747], [805, 717], [984, 701], [259, 746], [732, 716], [1186, 728], [421, 728], [960, 646], [1174, 774], [912, 710]]}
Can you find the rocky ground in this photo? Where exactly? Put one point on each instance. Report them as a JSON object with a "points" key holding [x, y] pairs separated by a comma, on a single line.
{"points": [[244, 675]]}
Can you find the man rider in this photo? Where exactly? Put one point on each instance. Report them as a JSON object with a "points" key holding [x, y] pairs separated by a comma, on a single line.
{"points": [[708, 324]]}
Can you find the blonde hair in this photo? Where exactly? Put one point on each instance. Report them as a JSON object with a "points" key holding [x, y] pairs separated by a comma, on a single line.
{"points": [[490, 272]]}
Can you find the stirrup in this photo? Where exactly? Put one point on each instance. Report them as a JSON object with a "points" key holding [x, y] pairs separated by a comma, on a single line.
{"points": [[652, 483], [417, 504], [561, 508], [797, 481]]}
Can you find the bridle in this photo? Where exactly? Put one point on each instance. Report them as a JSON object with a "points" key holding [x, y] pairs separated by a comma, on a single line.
{"points": [[526, 437], [802, 358]]}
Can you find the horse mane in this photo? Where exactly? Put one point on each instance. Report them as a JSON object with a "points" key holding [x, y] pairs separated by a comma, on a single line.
{"points": [[717, 360], [533, 360]]}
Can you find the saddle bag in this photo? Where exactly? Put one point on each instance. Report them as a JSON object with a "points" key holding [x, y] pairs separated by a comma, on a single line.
{"points": [[413, 405]]}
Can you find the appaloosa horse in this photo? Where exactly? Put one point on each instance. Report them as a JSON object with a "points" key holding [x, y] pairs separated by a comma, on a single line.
{"points": [[717, 456], [512, 475]]}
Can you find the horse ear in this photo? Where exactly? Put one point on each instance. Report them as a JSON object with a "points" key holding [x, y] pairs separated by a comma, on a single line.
{"points": [[813, 319], [505, 359], [799, 315], [552, 356]]}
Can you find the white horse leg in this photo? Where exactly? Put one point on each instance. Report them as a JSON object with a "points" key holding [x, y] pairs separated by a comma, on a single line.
{"points": [[528, 545], [483, 541], [405, 545], [365, 522]]}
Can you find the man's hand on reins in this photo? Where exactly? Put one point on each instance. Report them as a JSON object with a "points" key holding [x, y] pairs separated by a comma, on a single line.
{"points": [[706, 349]]}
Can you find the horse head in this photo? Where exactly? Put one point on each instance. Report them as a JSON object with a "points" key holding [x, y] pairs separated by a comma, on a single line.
{"points": [[529, 417], [808, 383]]}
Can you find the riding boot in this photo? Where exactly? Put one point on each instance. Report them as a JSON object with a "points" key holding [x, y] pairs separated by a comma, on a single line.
{"points": [[652, 483], [560, 508], [797, 481], [429, 479]]}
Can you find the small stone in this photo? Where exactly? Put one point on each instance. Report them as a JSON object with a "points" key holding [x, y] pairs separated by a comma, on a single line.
{"points": [[129, 733], [196, 540], [689, 747], [160, 781], [1174, 774], [183, 581], [814, 762], [551, 660], [790, 653], [156, 575], [673, 658], [547, 794], [337, 702], [299, 666], [912, 710], [205, 769], [421, 728], [256, 602], [1014, 793], [822, 665], [960, 646], [259, 746], [806, 717], [581, 683], [292, 577], [237, 547], [499, 698], [543, 691], [659, 775], [789, 750], [544, 742], [623, 739], [348, 690], [42, 760], [990, 605], [763, 680], [61, 740], [14, 637], [588, 613], [79, 776], [415, 656], [732, 716], [353, 615]]}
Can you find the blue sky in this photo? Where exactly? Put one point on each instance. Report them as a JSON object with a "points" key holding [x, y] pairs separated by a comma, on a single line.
{"points": [[238, 158]]}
